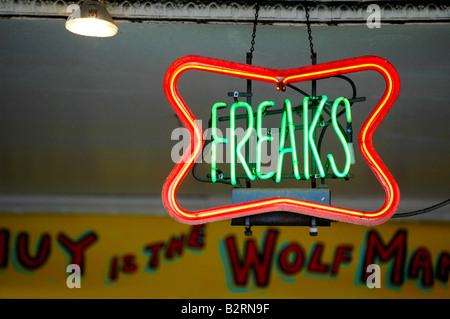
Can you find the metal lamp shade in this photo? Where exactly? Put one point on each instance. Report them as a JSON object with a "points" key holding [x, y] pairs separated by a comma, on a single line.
{"points": [[92, 20]]}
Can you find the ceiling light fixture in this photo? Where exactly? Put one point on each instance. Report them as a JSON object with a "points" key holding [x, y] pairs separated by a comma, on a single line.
{"points": [[91, 19]]}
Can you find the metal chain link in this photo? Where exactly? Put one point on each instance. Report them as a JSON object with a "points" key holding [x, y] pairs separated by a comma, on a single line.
{"points": [[255, 22], [308, 25]]}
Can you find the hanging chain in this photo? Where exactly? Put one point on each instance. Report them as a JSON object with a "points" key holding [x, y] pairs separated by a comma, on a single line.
{"points": [[308, 25], [255, 22]]}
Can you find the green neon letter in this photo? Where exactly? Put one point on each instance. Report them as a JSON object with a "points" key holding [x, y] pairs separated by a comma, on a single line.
{"points": [[216, 139], [341, 137], [261, 139], [305, 138], [237, 150], [287, 116], [311, 130]]}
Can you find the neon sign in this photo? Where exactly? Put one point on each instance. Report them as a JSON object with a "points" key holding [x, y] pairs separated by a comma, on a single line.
{"points": [[280, 78], [287, 125]]}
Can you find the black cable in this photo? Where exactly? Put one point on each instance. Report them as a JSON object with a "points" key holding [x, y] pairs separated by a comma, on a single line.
{"points": [[422, 211]]}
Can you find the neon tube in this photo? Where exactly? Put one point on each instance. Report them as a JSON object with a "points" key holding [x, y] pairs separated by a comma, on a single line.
{"points": [[179, 172], [287, 117], [312, 143], [238, 150], [341, 137], [262, 139], [215, 139], [305, 138]]}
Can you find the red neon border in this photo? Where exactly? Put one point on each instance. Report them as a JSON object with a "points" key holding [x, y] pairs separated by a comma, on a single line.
{"points": [[286, 76]]}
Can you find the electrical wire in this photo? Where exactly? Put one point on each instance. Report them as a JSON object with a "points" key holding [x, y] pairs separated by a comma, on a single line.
{"points": [[422, 211]]}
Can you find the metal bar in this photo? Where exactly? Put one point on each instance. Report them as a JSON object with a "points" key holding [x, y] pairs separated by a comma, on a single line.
{"points": [[313, 109], [285, 176], [240, 94], [278, 219], [280, 111], [249, 101]]}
